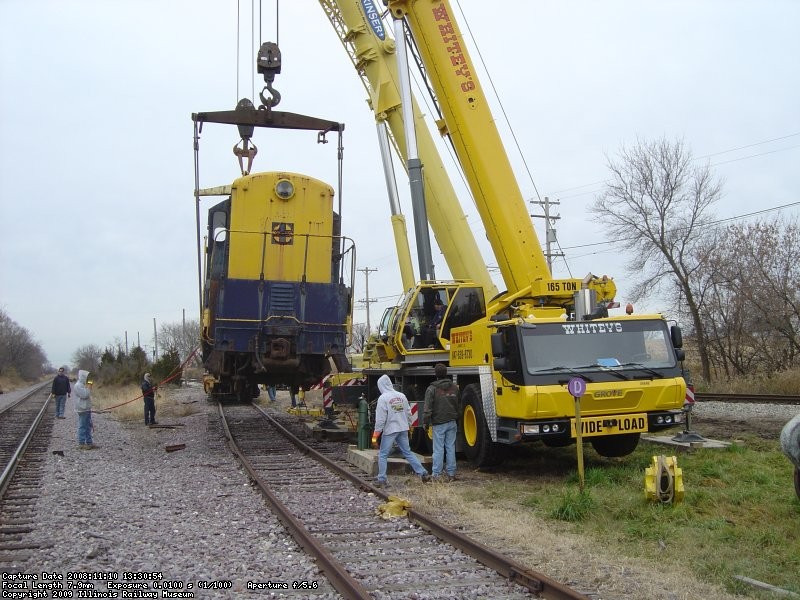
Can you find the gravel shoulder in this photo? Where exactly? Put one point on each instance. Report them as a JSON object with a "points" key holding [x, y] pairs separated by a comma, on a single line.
{"points": [[131, 506], [191, 515]]}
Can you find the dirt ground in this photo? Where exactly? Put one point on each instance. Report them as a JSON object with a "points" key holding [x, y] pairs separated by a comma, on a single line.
{"points": [[571, 558], [731, 429]]}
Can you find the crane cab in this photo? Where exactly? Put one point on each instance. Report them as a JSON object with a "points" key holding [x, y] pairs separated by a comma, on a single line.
{"points": [[418, 328]]}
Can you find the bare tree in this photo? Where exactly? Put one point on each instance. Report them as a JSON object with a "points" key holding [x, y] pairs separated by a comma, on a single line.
{"points": [[19, 351], [87, 358], [360, 336], [183, 337], [757, 273], [657, 204]]}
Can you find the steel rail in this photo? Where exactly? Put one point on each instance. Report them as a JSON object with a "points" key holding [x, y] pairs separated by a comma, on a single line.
{"points": [[340, 579], [11, 466], [520, 574], [24, 397], [747, 398]]}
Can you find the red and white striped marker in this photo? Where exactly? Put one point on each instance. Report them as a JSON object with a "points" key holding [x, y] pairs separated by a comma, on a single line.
{"points": [[327, 399], [327, 389], [689, 395], [321, 383], [414, 414]]}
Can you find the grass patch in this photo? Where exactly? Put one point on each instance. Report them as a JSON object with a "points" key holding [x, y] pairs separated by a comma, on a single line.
{"points": [[126, 404], [740, 515], [574, 506]]}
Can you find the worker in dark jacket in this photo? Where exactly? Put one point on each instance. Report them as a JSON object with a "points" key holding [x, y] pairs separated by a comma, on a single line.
{"points": [[61, 390], [149, 395], [441, 411]]}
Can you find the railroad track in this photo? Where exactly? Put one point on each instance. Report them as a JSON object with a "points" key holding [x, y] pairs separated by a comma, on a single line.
{"points": [[747, 398], [24, 437], [331, 513]]}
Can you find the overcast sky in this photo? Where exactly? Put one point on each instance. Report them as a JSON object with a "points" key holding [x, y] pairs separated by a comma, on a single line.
{"points": [[96, 162]]}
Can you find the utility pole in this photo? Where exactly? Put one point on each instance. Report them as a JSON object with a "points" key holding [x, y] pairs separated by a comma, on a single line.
{"points": [[550, 231], [183, 335], [155, 341], [126, 343], [367, 300]]}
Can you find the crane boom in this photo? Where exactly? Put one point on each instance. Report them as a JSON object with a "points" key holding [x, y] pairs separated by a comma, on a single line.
{"points": [[372, 52], [469, 122]]}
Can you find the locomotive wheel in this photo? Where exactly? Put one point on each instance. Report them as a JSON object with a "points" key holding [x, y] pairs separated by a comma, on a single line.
{"points": [[478, 445], [613, 446]]}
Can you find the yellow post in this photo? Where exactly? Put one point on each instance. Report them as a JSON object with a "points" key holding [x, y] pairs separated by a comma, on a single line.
{"points": [[577, 387], [579, 439]]}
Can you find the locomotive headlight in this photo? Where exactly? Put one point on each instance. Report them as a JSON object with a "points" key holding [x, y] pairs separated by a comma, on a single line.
{"points": [[284, 189]]}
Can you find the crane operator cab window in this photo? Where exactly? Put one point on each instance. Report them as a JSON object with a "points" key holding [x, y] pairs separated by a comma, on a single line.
{"points": [[435, 311], [425, 319], [467, 305]]}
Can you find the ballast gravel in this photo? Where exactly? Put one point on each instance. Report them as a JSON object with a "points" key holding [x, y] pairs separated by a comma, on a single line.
{"points": [[744, 411], [132, 510]]}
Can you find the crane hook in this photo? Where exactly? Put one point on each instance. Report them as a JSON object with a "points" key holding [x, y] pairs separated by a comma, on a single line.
{"points": [[268, 103], [268, 63]]}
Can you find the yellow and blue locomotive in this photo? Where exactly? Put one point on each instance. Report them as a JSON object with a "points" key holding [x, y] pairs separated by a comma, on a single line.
{"points": [[277, 299], [276, 296]]}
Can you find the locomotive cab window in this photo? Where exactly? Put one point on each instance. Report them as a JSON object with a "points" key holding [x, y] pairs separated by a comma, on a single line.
{"points": [[217, 242]]}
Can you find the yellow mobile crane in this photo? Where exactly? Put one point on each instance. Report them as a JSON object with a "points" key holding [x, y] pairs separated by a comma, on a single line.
{"points": [[514, 354]]}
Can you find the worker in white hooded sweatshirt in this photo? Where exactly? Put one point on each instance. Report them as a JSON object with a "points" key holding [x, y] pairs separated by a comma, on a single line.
{"points": [[83, 406], [392, 421]]}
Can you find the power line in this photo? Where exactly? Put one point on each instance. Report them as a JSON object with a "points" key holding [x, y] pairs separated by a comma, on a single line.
{"points": [[783, 137], [725, 162], [710, 224]]}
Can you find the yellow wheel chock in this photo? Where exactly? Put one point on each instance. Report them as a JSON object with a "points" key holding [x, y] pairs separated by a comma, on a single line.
{"points": [[663, 482]]}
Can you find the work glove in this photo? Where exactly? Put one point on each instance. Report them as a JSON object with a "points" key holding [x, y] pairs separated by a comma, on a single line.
{"points": [[375, 437]]}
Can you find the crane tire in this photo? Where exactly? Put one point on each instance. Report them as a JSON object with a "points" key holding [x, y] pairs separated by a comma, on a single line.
{"points": [[478, 445], [614, 446]]}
